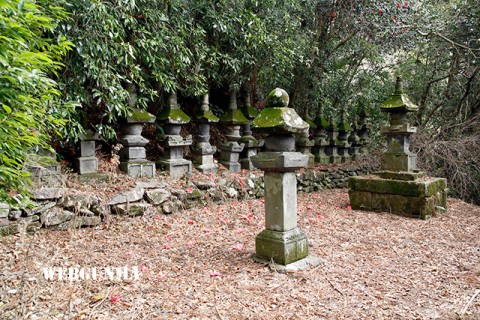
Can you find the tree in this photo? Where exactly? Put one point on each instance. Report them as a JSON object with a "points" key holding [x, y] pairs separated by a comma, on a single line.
{"points": [[30, 112]]}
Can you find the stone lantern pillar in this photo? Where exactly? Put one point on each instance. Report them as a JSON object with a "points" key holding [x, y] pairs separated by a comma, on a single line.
{"points": [[399, 188], [133, 155], [203, 151], [321, 138], [342, 138], [251, 144], [231, 148], [172, 118], [281, 240], [87, 162]]}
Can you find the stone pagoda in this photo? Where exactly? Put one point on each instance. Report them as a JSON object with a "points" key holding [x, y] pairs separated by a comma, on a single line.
{"points": [[203, 151], [354, 141], [332, 149], [133, 154], [321, 138], [172, 118], [281, 241], [399, 188], [231, 148], [87, 162], [251, 144], [304, 143], [343, 146]]}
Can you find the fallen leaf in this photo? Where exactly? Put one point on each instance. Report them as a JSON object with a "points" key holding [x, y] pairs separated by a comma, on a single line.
{"points": [[115, 298], [237, 247]]}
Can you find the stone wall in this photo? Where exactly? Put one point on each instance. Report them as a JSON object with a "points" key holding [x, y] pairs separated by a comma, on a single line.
{"points": [[60, 208]]}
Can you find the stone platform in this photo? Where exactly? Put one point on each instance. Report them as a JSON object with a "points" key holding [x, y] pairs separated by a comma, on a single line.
{"points": [[404, 193]]}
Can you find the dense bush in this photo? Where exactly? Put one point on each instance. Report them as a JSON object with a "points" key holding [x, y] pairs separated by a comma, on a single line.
{"points": [[30, 113]]}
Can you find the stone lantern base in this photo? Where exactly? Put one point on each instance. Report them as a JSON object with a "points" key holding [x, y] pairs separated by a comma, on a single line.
{"points": [[86, 165], [283, 247], [176, 167], [138, 168], [404, 193]]}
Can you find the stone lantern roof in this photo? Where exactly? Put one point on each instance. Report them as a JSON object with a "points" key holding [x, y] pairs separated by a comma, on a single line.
{"points": [[140, 116], [205, 114], [320, 120], [399, 102], [172, 114], [277, 117]]}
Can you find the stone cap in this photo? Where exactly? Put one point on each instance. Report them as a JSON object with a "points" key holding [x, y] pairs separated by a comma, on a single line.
{"points": [[234, 116], [205, 114], [172, 114], [399, 101], [140, 116], [343, 125], [277, 98], [249, 112], [280, 161]]}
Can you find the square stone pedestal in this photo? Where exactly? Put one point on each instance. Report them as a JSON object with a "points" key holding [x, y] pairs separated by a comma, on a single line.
{"points": [[284, 247], [176, 167], [403, 193], [138, 168], [85, 165]]}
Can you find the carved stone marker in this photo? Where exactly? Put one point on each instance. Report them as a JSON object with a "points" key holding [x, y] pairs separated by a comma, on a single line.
{"points": [[281, 241], [399, 188]]}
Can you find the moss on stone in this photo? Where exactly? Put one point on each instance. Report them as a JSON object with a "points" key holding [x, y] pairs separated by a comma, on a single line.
{"points": [[277, 98], [206, 116], [234, 116], [279, 120], [173, 116], [250, 112], [140, 116]]}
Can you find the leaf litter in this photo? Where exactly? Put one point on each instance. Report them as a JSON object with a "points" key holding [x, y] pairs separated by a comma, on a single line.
{"points": [[198, 264]]}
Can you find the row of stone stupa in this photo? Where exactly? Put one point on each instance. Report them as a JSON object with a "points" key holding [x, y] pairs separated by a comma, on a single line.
{"points": [[324, 143]]}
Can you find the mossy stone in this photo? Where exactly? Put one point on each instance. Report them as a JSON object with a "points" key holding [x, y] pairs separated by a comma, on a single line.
{"points": [[279, 120], [277, 98], [250, 112], [140, 116], [173, 116], [399, 101], [206, 116], [234, 116]]}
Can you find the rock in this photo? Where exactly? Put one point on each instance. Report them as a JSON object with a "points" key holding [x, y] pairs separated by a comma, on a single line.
{"points": [[15, 214], [8, 229], [204, 184], [40, 208], [169, 207], [222, 182], [127, 196], [48, 193], [99, 209], [157, 196], [4, 210], [86, 213], [80, 222], [153, 184], [231, 192], [55, 216], [250, 183], [132, 209], [79, 200], [179, 193]]}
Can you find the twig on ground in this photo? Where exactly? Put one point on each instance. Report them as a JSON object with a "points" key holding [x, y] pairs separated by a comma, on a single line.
{"points": [[469, 303]]}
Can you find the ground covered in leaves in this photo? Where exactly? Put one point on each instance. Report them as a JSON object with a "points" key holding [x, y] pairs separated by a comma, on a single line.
{"points": [[197, 264]]}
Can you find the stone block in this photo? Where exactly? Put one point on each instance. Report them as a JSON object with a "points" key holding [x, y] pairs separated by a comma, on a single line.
{"points": [[127, 196], [4, 210], [133, 153], [132, 209], [138, 169], [398, 161], [281, 247], [47, 193], [87, 148], [280, 201], [86, 165], [157, 196], [55, 216], [281, 161], [417, 188], [176, 167]]}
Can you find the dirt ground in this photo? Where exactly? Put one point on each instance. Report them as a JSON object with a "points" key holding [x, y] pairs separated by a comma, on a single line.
{"points": [[197, 264]]}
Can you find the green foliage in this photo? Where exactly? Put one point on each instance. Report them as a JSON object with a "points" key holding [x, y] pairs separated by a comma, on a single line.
{"points": [[30, 112]]}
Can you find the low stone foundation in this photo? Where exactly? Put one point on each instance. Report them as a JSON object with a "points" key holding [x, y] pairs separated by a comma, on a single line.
{"points": [[407, 194]]}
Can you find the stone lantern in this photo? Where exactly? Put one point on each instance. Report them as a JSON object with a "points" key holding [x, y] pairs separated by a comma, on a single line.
{"points": [[398, 156], [172, 118], [203, 151], [363, 129], [251, 144], [399, 188], [231, 148], [281, 241], [87, 162], [133, 155], [354, 141], [343, 146], [332, 148], [304, 144], [321, 138]]}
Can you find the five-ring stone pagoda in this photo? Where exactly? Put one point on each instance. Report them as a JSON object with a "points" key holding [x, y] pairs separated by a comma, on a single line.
{"points": [[281, 241], [399, 187]]}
